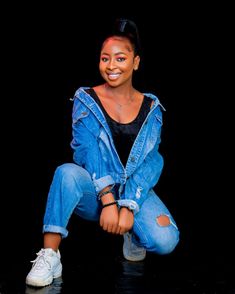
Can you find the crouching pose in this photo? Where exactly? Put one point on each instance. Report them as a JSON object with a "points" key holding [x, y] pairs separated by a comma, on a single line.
{"points": [[116, 135]]}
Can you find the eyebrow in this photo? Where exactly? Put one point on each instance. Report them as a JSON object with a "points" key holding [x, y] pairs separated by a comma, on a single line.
{"points": [[118, 53]]}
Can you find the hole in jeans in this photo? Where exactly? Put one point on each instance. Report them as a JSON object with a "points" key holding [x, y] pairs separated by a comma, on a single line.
{"points": [[163, 220]]}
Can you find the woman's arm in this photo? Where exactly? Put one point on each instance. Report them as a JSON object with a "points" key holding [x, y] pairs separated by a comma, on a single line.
{"points": [[85, 133]]}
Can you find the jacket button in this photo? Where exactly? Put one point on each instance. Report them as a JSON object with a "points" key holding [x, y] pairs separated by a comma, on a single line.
{"points": [[132, 159]]}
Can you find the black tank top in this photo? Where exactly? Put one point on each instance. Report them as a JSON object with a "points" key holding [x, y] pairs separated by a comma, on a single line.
{"points": [[124, 134]]}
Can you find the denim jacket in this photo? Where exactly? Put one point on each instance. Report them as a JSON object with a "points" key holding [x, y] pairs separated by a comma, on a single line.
{"points": [[93, 149]]}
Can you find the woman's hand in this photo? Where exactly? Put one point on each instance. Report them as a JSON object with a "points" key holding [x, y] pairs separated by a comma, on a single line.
{"points": [[109, 219], [126, 220], [109, 214], [114, 220]]}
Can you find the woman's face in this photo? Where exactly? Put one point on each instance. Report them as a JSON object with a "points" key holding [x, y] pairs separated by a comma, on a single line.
{"points": [[117, 61]]}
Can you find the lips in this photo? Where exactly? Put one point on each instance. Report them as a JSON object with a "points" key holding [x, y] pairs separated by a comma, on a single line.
{"points": [[113, 76]]}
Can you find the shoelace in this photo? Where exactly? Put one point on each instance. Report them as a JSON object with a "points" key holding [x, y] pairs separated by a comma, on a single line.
{"points": [[41, 260]]}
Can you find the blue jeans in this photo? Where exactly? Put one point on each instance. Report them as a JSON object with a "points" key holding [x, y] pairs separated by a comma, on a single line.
{"points": [[72, 191]]}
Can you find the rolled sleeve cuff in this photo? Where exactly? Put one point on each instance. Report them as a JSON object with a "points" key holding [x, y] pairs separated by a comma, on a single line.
{"points": [[131, 204], [103, 182]]}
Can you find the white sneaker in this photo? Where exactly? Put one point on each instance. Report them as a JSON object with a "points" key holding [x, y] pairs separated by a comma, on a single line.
{"points": [[131, 251], [45, 268], [54, 288]]}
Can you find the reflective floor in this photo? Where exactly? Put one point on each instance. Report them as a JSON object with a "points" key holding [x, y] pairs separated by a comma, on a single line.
{"points": [[185, 65], [96, 265]]}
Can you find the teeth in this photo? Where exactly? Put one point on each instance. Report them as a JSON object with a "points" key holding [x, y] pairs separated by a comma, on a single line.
{"points": [[113, 76]]}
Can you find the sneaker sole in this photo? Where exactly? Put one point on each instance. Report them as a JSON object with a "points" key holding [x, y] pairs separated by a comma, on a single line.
{"points": [[38, 283], [131, 258]]}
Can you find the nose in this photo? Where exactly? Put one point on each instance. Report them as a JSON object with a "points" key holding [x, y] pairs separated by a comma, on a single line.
{"points": [[111, 65]]}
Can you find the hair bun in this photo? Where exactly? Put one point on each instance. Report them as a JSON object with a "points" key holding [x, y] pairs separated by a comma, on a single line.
{"points": [[128, 28]]}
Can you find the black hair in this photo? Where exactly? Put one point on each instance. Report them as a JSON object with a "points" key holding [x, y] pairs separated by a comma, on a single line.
{"points": [[127, 28]]}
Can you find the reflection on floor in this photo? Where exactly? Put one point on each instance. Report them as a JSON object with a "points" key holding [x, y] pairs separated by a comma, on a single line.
{"points": [[118, 276], [96, 265]]}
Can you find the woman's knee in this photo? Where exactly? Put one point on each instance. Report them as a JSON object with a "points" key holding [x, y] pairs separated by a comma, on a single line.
{"points": [[67, 168], [70, 171], [165, 242], [163, 236]]}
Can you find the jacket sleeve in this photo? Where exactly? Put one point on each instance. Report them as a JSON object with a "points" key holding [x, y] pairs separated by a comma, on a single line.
{"points": [[143, 179], [86, 151]]}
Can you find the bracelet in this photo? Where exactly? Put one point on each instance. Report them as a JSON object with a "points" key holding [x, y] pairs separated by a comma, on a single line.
{"points": [[110, 203], [105, 192], [127, 208]]}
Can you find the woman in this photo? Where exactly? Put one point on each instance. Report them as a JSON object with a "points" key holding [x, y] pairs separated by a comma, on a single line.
{"points": [[116, 135]]}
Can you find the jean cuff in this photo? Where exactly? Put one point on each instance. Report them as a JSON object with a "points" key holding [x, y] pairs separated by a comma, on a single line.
{"points": [[55, 229]]}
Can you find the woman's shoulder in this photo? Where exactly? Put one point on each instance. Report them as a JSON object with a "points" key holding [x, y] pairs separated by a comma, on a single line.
{"points": [[82, 89], [151, 96], [155, 99], [83, 93]]}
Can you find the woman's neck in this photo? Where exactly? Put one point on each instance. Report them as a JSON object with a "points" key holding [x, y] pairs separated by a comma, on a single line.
{"points": [[121, 95]]}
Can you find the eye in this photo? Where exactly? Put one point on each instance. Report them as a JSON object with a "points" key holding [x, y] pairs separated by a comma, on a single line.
{"points": [[104, 59], [121, 59]]}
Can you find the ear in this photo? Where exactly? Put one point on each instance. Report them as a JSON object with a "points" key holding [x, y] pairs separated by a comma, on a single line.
{"points": [[136, 62]]}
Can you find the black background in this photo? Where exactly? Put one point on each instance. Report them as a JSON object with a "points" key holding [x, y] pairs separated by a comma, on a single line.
{"points": [[51, 51]]}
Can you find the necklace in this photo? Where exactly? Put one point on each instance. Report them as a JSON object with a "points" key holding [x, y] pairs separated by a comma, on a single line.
{"points": [[120, 106]]}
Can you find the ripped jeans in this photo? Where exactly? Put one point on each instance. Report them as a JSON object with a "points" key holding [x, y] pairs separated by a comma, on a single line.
{"points": [[72, 191]]}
